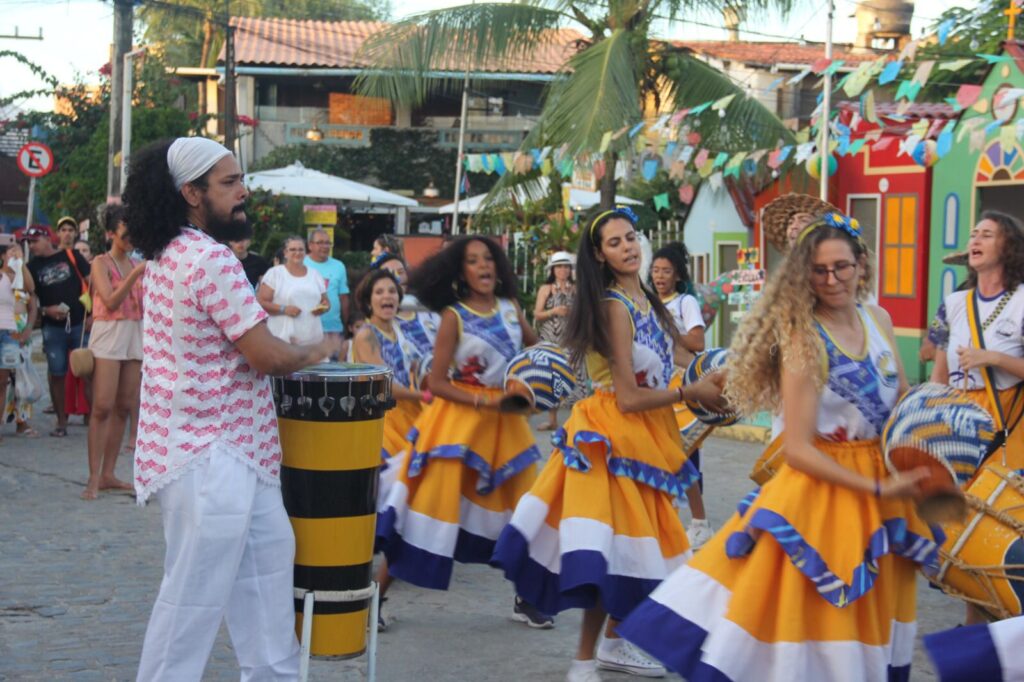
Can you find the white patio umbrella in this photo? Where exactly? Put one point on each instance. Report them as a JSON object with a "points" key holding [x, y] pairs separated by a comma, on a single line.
{"points": [[578, 199], [299, 181]]}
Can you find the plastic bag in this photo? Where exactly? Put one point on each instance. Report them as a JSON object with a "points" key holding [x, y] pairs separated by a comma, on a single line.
{"points": [[29, 385]]}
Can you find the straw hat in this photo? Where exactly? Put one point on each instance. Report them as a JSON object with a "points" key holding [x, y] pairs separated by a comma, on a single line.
{"points": [[777, 214], [955, 258]]}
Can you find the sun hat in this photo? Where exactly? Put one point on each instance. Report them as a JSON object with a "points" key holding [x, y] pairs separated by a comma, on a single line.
{"points": [[955, 258], [560, 258], [777, 214]]}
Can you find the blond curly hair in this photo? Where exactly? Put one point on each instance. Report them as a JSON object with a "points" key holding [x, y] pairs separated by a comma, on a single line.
{"points": [[780, 329]]}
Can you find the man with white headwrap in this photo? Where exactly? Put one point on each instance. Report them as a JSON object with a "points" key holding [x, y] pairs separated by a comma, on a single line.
{"points": [[208, 443]]}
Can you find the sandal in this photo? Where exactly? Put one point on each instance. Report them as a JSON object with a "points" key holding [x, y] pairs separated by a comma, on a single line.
{"points": [[27, 432], [59, 432]]}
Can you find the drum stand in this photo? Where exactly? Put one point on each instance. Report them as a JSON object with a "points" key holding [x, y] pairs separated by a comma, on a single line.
{"points": [[308, 597]]}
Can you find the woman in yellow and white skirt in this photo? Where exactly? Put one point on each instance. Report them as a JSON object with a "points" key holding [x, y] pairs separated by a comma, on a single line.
{"points": [[598, 530], [468, 463], [814, 577]]}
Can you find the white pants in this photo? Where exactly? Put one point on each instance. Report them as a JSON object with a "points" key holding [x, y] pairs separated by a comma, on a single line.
{"points": [[230, 554]]}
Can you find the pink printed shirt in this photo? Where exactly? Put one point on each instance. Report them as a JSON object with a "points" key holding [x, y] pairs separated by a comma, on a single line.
{"points": [[199, 395]]}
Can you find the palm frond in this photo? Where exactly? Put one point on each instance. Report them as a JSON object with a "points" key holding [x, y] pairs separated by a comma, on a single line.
{"points": [[747, 123], [602, 94], [403, 59]]}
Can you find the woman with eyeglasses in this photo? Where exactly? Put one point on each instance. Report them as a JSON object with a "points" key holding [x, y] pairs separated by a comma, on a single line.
{"points": [[294, 296], [814, 577]]}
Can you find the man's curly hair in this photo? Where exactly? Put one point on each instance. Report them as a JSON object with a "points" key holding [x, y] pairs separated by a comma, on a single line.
{"points": [[155, 211]]}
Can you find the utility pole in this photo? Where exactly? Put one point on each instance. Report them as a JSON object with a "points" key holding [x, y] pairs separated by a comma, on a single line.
{"points": [[229, 79], [459, 154], [826, 105], [122, 45]]}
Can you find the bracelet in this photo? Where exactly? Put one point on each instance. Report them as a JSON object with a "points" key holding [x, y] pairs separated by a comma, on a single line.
{"points": [[426, 396], [282, 309], [680, 391], [878, 490]]}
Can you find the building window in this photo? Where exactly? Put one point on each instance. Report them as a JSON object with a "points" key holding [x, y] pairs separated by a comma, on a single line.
{"points": [[699, 268], [948, 283], [951, 222], [900, 247]]}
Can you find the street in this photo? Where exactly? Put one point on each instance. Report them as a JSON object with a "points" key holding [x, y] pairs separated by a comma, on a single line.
{"points": [[78, 579]]}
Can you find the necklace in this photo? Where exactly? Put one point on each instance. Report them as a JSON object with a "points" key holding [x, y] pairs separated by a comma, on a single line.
{"points": [[1000, 306], [643, 306]]}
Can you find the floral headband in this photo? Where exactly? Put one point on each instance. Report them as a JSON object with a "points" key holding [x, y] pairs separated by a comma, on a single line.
{"points": [[834, 219], [624, 211]]}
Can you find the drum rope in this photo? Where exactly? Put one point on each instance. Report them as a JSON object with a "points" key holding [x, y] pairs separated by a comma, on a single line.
{"points": [[336, 595]]}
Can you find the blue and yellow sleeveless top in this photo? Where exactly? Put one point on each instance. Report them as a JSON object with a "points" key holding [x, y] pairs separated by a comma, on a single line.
{"points": [[652, 349], [861, 390], [420, 330], [487, 342], [398, 353]]}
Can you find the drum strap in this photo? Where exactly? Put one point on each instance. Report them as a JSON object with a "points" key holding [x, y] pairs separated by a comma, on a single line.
{"points": [[1003, 428]]}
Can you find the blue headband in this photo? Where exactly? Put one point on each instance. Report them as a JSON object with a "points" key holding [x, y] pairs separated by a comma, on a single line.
{"points": [[833, 219]]}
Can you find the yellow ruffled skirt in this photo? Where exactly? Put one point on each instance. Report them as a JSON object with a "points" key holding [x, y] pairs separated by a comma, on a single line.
{"points": [[463, 473], [808, 581], [598, 526]]}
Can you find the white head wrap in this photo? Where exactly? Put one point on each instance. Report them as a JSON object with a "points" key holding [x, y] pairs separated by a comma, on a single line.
{"points": [[189, 157]]}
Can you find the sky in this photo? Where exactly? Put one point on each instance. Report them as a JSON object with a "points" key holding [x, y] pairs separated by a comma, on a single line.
{"points": [[77, 33]]}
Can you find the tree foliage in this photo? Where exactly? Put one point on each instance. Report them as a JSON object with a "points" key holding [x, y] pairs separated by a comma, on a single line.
{"points": [[974, 30], [397, 159], [78, 133], [192, 31], [620, 72]]}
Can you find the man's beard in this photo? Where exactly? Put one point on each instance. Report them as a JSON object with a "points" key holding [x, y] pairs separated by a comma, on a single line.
{"points": [[230, 230]]}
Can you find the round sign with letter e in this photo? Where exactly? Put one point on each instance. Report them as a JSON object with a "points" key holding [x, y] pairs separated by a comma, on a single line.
{"points": [[35, 159]]}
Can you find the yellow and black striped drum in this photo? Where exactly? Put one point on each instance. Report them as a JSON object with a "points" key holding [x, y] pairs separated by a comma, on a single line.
{"points": [[331, 420]]}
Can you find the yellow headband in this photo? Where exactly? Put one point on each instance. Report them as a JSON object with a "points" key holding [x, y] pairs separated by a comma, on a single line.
{"points": [[596, 220]]}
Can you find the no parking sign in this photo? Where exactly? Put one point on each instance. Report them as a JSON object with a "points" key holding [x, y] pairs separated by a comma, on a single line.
{"points": [[35, 159]]}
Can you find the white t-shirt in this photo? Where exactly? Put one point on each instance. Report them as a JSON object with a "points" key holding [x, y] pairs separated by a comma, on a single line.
{"points": [[685, 311], [950, 331], [303, 292]]}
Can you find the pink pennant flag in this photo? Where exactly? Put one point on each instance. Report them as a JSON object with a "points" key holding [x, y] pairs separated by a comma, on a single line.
{"points": [[883, 143], [820, 64], [702, 158], [686, 194], [967, 95], [775, 158]]}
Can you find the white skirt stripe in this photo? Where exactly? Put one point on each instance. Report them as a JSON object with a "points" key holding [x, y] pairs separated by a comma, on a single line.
{"points": [[730, 649], [627, 556]]}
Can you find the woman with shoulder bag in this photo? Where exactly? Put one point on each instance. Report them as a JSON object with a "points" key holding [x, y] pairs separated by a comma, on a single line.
{"points": [[116, 346]]}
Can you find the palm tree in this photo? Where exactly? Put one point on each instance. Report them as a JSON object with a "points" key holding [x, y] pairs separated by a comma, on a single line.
{"points": [[619, 73]]}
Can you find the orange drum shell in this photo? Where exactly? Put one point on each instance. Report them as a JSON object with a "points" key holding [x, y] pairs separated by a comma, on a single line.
{"points": [[941, 499], [987, 542]]}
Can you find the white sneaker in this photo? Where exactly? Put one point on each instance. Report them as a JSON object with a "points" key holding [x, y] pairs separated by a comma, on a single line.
{"points": [[699, 532], [583, 671], [620, 655]]}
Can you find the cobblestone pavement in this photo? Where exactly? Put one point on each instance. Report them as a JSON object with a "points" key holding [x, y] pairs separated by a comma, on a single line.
{"points": [[77, 581]]}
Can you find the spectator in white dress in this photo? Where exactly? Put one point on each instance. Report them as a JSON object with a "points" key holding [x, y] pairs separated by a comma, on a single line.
{"points": [[295, 296]]}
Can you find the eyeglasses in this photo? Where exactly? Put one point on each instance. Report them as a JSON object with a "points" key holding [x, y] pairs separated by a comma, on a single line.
{"points": [[319, 242], [843, 272]]}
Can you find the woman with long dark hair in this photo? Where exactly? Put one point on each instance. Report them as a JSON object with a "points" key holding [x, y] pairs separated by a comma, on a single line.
{"points": [[598, 529], [468, 463], [670, 279]]}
